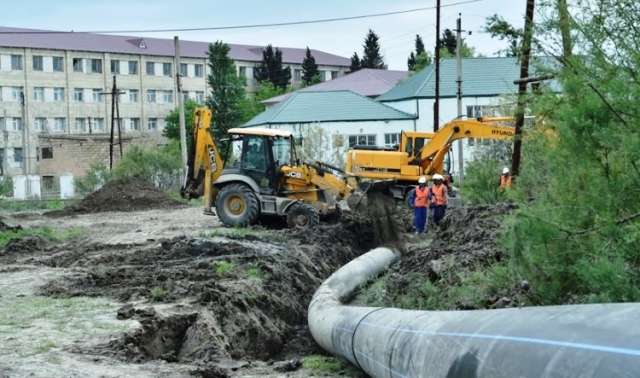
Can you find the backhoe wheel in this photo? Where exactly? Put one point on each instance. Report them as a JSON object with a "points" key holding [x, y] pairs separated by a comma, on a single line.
{"points": [[237, 205], [301, 215]]}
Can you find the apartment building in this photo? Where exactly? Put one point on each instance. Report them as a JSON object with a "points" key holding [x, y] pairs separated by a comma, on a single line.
{"points": [[60, 84]]}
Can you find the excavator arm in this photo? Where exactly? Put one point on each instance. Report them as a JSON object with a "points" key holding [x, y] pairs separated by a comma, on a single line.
{"points": [[204, 162]]}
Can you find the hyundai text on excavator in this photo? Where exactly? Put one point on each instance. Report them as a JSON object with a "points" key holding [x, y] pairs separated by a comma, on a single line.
{"points": [[420, 153], [262, 177]]}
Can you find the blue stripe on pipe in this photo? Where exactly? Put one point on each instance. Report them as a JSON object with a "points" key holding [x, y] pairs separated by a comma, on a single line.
{"points": [[531, 340]]}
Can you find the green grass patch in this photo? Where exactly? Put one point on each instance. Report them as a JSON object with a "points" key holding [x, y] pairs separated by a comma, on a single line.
{"points": [[326, 365], [222, 268], [44, 232], [158, 294], [15, 206]]}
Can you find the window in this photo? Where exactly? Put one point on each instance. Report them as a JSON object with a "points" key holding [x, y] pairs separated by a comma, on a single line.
{"points": [[362, 140], [183, 69], [16, 62], [297, 75], [78, 95], [199, 70], [152, 124], [167, 97], [96, 65], [151, 68], [58, 94], [166, 69], [475, 111], [151, 96], [391, 140], [323, 75], [115, 67], [133, 67], [200, 97], [58, 64], [37, 62], [16, 94], [242, 72], [77, 65], [97, 95], [133, 95], [17, 155], [17, 124], [60, 124], [134, 124], [40, 124], [334, 75], [49, 183], [38, 94], [81, 125], [98, 125]]}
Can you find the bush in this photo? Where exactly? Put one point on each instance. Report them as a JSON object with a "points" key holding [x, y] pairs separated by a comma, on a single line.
{"points": [[97, 175], [158, 165], [481, 182]]}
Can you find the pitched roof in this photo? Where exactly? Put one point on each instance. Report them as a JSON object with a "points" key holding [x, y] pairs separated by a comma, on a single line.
{"points": [[20, 37], [334, 106], [367, 82], [480, 77]]}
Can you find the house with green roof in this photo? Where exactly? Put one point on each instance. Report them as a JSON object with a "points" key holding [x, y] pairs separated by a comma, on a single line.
{"points": [[329, 122]]}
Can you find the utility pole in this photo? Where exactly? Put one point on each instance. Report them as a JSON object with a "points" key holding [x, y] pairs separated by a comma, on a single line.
{"points": [[459, 91], [565, 28], [25, 144], [522, 87], [436, 104], [115, 115], [183, 131]]}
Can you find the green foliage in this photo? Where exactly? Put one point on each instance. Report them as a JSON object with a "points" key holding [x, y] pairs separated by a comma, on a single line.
{"points": [[158, 294], [419, 45], [421, 61], [6, 186], [252, 105], [372, 58], [172, 121], [498, 27], [159, 165], [481, 182], [271, 68], [222, 268], [355, 63], [97, 175], [310, 73], [327, 365], [43, 232], [13, 206], [227, 94]]}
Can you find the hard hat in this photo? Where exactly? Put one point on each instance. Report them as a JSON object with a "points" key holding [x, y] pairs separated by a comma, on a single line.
{"points": [[438, 177], [422, 180], [505, 170]]}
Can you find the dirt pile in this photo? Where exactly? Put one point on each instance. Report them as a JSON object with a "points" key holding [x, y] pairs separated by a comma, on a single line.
{"points": [[121, 195], [240, 297]]}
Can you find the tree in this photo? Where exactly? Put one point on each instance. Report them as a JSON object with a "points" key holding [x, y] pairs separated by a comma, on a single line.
{"points": [[419, 45], [172, 121], [448, 42], [310, 73], [372, 57], [271, 68], [252, 105], [498, 27], [420, 58], [355, 63], [227, 93], [411, 62]]}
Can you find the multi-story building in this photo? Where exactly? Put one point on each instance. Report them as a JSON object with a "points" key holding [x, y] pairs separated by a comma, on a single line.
{"points": [[59, 83]]}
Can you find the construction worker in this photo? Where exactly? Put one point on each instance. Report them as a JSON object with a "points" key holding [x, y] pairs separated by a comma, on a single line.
{"points": [[419, 200], [505, 179], [438, 196]]}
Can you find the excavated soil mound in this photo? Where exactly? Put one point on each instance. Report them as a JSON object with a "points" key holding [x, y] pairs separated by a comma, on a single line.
{"points": [[241, 297], [121, 195]]}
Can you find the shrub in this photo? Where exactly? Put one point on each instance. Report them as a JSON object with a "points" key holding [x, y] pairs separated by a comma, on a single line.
{"points": [[159, 165]]}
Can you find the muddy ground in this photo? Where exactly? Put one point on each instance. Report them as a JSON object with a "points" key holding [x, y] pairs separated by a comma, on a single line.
{"points": [[166, 292]]}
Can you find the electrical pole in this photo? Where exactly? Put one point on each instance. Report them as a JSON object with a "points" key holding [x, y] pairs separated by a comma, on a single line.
{"points": [[114, 89], [183, 131], [25, 144], [436, 104], [459, 91], [522, 87]]}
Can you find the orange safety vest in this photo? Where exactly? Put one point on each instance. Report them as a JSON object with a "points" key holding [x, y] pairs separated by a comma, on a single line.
{"points": [[422, 197], [439, 194], [505, 181]]}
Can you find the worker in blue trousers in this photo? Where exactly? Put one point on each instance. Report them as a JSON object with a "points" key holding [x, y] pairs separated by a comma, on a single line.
{"points": [[418, 200]]}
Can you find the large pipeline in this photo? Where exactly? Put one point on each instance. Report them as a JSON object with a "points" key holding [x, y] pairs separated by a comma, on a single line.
{"points": [[599, 340]]}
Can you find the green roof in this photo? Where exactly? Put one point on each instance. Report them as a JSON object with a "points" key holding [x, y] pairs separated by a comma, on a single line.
{"points": [[332, 106], [480, 77]]}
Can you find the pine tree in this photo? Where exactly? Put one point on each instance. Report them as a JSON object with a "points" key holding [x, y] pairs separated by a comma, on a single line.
{"points": [[271, 69], [372, 57], [419, 45], [355, 63], [227, 92], [420, 58], [448, 41], [411, 62], [310, 73]]}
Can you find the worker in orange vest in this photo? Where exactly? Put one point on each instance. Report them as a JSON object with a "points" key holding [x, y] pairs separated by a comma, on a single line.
{"points": [[419, 200], [438, 197], [505, 179]]}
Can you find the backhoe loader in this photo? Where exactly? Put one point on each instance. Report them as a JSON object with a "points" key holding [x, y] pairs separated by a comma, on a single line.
{"points": [[420, 153], [262, 177]]}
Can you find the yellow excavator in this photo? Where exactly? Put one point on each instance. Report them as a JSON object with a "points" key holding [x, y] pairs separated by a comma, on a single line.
{"points": [[420, 153], [262, 177]]}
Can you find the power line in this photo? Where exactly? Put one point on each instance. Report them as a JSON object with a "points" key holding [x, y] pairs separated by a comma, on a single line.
{"points": [[247, 26]]}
